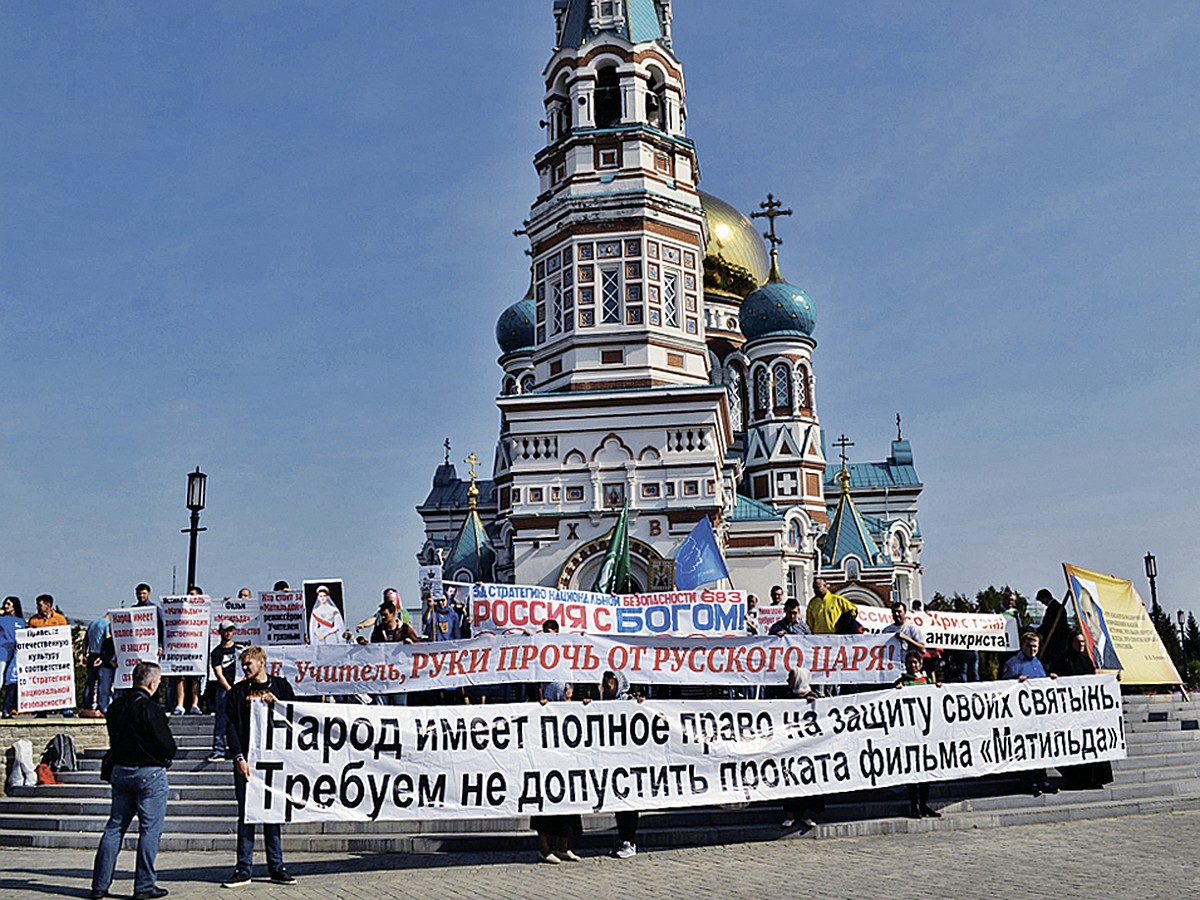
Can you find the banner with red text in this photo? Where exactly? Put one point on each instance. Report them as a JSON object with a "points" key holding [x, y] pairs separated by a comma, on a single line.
{"points": [[45, 669], [185, 635], [313, 762], [576, 658], [500, 608], [135, 637], [951, 630]]}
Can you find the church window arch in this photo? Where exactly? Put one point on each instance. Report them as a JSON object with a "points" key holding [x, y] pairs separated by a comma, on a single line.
{"points": [[803, 401], [782, 377], [510, 386], [608, 97], [796, 534], [762, 392], [656, 100]]}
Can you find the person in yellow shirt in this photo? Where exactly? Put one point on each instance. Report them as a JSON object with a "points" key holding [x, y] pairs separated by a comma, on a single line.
{"points": [[825, 608]]}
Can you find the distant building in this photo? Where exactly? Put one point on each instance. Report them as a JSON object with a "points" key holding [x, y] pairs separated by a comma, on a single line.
{"points": [[660, 359]]}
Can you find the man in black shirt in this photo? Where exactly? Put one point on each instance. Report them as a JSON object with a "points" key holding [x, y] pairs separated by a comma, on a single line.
{"points": [[142, 748], [223, 661], [256, 687]]}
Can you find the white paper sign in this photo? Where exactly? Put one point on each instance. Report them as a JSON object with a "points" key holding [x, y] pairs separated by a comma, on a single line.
{"points": [[185, 635], [135, 636], [45, 669]]}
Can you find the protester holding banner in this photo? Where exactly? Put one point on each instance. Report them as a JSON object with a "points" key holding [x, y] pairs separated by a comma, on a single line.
{"points": [[325, 624], [257, 687], [1077, 661], [141, 748], [790, 623], [1022, 666], [801, 809], [615, 686], [915, 675], [142, 599], [560, 827], [826, 609], [390, 629], [49, 617], [11, 619], [441, 622], [911, 638]]}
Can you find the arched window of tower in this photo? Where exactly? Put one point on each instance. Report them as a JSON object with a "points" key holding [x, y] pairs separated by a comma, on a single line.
{"points": [[656, 101], [802, 399], [762, 393], [783, 388], [608, 97]]}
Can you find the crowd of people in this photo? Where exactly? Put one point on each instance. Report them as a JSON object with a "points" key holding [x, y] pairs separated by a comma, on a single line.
{"points": [[142, 748]]}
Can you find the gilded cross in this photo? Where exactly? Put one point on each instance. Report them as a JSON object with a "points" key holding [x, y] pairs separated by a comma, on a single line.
{"points": [[771, 211], [842, 443]]}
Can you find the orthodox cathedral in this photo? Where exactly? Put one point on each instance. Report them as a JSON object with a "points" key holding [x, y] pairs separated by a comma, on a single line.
{"points": [[660, 361]]}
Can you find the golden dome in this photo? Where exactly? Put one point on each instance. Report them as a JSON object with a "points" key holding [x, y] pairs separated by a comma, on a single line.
{"points": [[736, 261]]}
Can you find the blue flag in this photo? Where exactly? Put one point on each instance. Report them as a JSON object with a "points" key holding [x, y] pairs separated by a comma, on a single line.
{"points": [[698, 560]]}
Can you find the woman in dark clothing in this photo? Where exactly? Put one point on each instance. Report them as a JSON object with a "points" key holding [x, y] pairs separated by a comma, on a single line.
{"points": [[1076, 661]]}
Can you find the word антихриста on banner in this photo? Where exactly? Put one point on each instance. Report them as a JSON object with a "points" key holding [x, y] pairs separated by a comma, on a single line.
{"points": [[520, 658], [320, 762]]}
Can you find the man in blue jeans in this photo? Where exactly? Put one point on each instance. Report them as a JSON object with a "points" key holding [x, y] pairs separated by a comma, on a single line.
{"points": [[256, 687], [142, 748]]}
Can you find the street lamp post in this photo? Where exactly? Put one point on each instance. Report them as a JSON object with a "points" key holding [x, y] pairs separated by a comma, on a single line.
{"points": [[1152, 574], [195, 503], [1182, 643]]}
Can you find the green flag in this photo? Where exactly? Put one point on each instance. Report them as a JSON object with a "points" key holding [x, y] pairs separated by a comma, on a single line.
{"points": [[613, 577]]}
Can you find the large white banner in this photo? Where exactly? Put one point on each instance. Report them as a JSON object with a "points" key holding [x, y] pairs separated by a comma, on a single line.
{"points": [[283, 618], [185, 635], [951, 630], [575, 658], [500, 608], [317, 762], [135, 636], [45, 669]]}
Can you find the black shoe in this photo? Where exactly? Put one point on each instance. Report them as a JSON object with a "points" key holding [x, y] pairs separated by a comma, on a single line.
{"points": [[237, 879], [914, 812], [153, 894], [99, 895], [282, 876], [1050, 790], [930, 813]]}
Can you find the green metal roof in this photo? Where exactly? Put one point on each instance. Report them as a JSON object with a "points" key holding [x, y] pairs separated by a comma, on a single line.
{"points": [[747, 509], [641, 22]]}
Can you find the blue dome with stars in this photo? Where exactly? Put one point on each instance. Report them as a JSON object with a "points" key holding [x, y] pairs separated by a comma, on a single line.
{"points": [[777, 309], [514, 330]]}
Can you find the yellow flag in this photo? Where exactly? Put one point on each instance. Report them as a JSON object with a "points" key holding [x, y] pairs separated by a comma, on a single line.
{"points": [[1118, 629]]}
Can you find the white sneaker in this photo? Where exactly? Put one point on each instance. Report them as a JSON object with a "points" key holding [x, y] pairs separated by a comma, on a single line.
{"points": [[626, 850], [808, 823], [570, 856], [787, 823], [550, 858]]}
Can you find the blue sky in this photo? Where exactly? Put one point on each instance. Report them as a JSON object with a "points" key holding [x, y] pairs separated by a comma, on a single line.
{"points": [[272, 240]]}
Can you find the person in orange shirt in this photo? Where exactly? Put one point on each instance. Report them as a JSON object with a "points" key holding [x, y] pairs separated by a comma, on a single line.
{"points": [[47, 617]]}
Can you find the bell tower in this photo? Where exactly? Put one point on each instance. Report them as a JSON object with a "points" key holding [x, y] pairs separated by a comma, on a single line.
{"points": [[617, 230]]}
